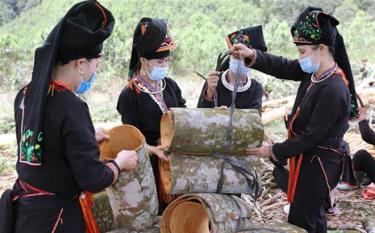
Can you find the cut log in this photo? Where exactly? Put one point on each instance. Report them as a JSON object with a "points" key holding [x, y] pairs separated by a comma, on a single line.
{"points": [[202, 131], [201, 174], [215, 213], [134, 198]]}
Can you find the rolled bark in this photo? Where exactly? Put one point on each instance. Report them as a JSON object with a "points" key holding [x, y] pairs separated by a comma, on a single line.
{"points": [[202, 131], [202, 174], [102, 212], [215, 213], [134, 198], [205, 213], [276, 227], [104, 218]]}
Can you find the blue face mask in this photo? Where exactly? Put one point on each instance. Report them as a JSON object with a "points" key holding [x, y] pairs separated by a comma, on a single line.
{"points": [[158, 73], [238, 65], [84, 86], [307, 66]]}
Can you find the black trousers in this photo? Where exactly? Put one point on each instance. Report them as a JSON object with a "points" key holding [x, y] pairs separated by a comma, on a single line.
{"points": [[364, 162], [44, 214], [312, 193]]}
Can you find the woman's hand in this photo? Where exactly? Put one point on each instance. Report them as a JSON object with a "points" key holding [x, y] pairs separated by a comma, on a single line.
{"points": [[127, 160], [158, 151], [264, 151], [240, 51], [101, 134], [212, 81]]}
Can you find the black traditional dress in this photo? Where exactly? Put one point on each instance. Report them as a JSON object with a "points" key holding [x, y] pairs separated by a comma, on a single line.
{"points": [[318, 122], [249, 94], [58, 155], [47, 196], [142, 104], [315, 147], [362, 159]]}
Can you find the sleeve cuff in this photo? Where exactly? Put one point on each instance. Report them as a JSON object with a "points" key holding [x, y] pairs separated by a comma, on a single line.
{"points": [[274, 154], [273, 157], [250, 62], [205, 96], [115, 169]]}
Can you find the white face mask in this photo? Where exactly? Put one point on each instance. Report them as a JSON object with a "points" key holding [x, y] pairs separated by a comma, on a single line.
{"points": [[157, 73], [307, 65], [238, 66]]}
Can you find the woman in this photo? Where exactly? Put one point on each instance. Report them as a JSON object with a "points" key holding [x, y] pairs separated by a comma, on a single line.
{"points": [[58, 154], [319, 119], [363, 161], [221, 82], [150, 92]]}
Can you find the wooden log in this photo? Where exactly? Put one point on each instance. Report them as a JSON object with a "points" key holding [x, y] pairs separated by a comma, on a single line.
{"points": [[277, 227], [205, 213], [102, 212], [104, 217], [201, 174], [215, 213], [134, 198], [200, 131]]}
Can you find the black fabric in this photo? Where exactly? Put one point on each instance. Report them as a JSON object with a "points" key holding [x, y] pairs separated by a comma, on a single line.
{"points": [[367, 133], [7, 217], [71, 153], [157, 55], [148, 42], [323, 120], [86, 26], [41, 214], [342, 59], [281, 175], [250, 99], [363, 161], [80, 33], [310, 201], [324, 112], [141, 110], [252, 37], [313, 26]]}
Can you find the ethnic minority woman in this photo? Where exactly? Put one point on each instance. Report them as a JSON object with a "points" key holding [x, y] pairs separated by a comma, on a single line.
{"points": [[221, 82], [58, 153], [150, 92], [325, 100]]}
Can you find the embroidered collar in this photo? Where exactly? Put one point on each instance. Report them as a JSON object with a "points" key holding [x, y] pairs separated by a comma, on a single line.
{"points": [[156, 93], [145, 87], [230, 87], [324, 76]]}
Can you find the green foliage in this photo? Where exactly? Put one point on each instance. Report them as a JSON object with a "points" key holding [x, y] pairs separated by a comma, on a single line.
{"points": [[9, 9], [198, 27]]}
